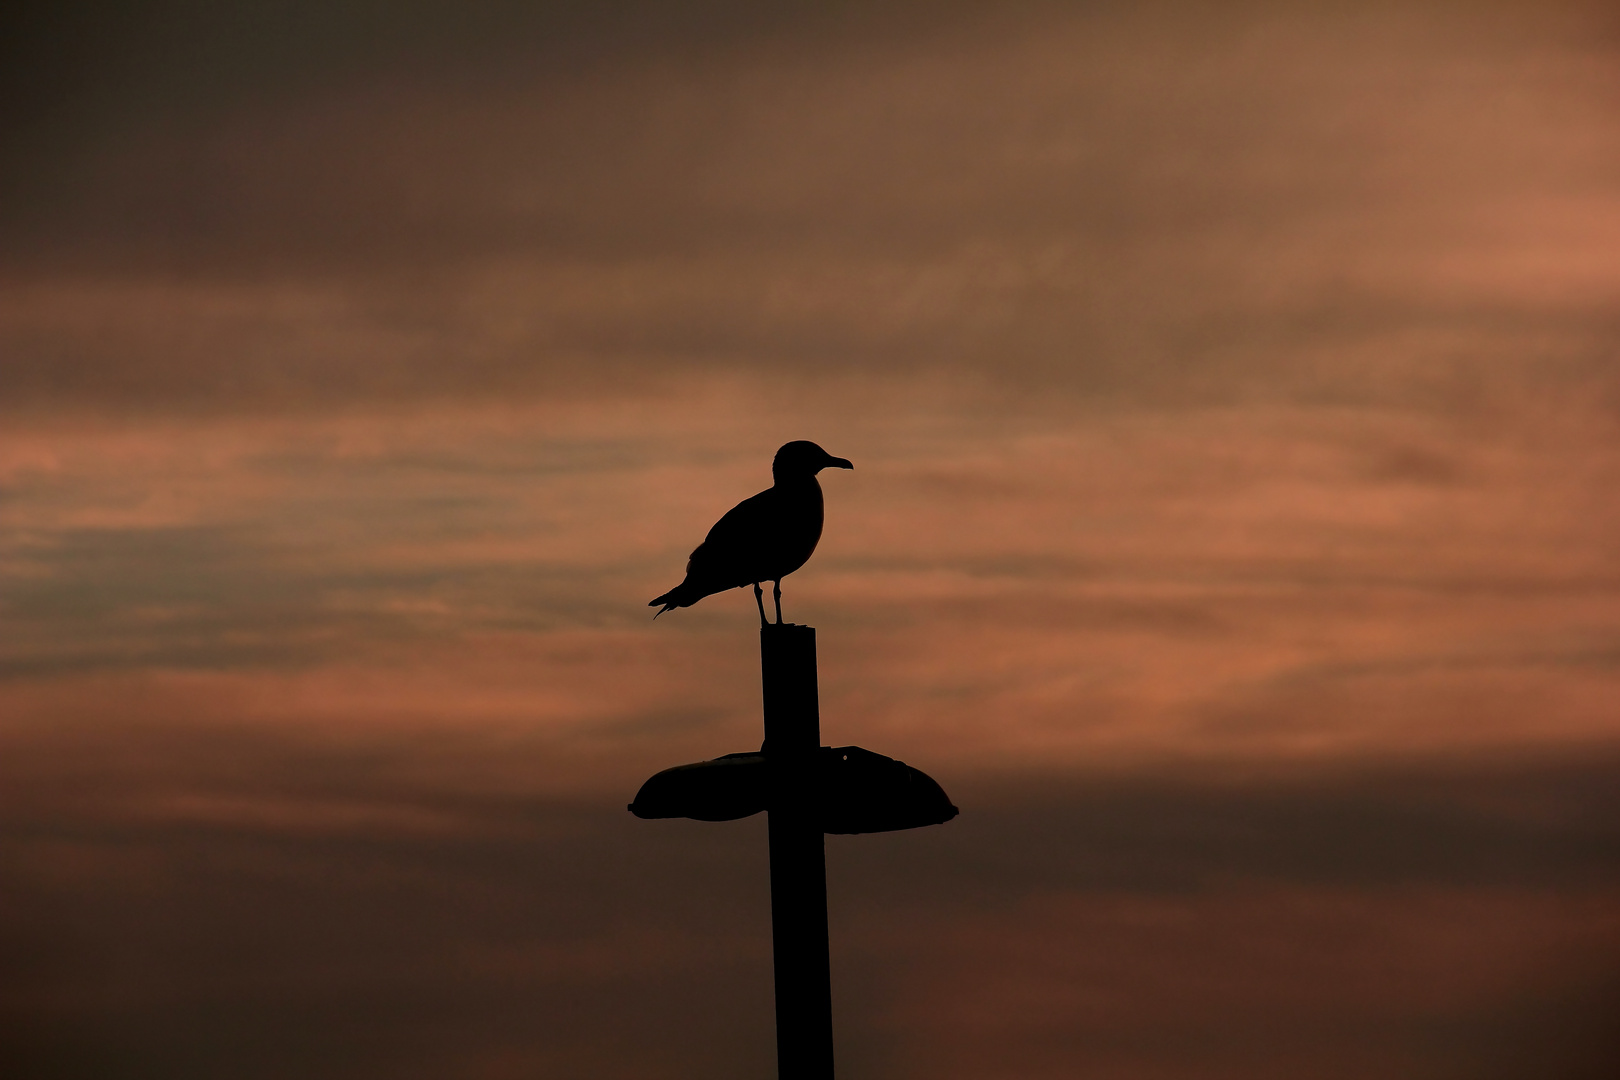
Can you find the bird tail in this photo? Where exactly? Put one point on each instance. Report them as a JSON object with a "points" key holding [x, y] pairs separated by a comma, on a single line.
{"points": [[682, 595]]}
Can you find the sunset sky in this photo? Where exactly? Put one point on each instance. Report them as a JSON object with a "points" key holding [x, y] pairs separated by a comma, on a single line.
{"points": [[1234, 398]]}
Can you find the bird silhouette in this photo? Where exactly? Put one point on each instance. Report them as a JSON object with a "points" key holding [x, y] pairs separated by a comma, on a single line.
{"points": [[763, 538]]}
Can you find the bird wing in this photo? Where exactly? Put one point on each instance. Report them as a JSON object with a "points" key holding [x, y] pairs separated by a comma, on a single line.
{"points": [[730, 555], [763, 538]]}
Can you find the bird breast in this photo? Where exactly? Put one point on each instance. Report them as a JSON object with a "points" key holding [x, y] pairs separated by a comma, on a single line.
{"points": [[800, 514]]}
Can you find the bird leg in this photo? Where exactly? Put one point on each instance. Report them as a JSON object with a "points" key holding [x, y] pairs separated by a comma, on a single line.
{"points": [[776, 594], [759, 598]]}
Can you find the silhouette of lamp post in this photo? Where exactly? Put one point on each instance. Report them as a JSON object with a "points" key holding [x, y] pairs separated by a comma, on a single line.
{"points": [[808, 790]]}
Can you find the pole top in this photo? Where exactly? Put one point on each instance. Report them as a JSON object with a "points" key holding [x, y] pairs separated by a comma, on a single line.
{"points": [[787, 632]]}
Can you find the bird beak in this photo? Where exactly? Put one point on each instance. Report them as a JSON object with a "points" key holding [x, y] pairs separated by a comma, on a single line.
{"points": [[842, 463]]}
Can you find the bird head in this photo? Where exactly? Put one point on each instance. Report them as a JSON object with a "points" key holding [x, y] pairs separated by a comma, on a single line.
{"points": [[802, 458]]}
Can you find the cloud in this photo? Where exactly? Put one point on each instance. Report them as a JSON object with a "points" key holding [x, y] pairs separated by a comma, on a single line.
{"points": [[1232, 533], [1159, 206], [1244, 582], [347, 905]]}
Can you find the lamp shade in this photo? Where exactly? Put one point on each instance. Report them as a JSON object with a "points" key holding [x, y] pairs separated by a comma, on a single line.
{"points": [[852, 791]]}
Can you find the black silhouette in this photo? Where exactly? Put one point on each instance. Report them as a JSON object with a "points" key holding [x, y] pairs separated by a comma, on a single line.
{"points": [[853, 790], [807, 790], [763, 538], [799, 945]]}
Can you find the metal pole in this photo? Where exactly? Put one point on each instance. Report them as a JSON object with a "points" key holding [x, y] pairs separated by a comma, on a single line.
{"points": [[798, 858]]}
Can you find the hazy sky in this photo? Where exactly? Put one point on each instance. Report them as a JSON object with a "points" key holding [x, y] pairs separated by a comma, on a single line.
{"points": [[1234, 394]]}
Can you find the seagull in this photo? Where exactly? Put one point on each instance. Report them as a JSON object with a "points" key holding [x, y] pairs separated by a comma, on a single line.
{"points": [[763, 538]]}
